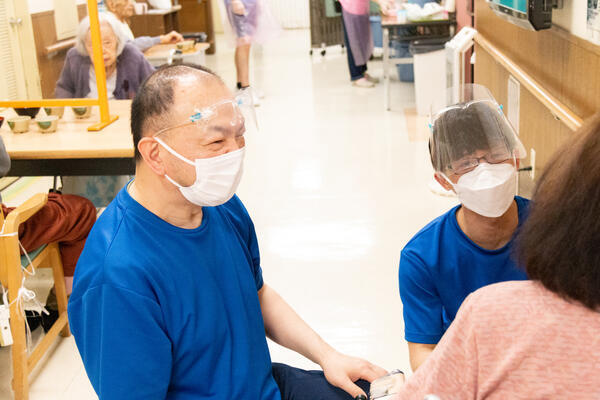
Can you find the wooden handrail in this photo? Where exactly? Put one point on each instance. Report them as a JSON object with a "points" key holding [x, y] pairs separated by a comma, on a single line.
{"points": [[63, 45], [556, 107]]}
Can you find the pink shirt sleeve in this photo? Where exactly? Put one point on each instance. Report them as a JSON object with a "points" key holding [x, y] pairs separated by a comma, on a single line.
{"points": [[450, 372]]}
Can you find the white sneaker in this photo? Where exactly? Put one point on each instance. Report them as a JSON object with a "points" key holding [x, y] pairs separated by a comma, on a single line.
{"points": [[259, 93], [363, 83]]}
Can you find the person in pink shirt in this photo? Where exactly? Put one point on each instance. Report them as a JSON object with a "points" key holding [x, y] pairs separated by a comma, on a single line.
{"points": [[536, 339], [359, 39]]}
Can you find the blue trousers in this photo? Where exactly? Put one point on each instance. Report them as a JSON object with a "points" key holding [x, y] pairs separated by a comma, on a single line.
{"points": [[356, 71], [298, 384]]}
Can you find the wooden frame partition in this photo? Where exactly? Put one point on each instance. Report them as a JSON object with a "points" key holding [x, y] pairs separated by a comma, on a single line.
{"points": [[102, 100]]}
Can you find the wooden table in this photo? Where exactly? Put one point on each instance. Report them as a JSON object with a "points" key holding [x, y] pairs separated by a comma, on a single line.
{"points": [[391, 23], [72, 150], [161, 54]]}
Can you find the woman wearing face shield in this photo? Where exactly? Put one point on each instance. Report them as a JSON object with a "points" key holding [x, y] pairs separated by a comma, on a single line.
{"points": [[534, 339], [475, 153]]}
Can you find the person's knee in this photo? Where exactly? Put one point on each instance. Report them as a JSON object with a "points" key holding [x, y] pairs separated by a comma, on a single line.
{"points": [[78, 209]]}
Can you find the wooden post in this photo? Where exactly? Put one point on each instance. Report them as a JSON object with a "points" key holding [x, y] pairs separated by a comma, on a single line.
{"points": [[20, 381], [97, 57]]}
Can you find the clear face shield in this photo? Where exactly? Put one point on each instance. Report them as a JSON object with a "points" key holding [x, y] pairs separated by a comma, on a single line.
{"points": [[238, 111], [470, 128]]}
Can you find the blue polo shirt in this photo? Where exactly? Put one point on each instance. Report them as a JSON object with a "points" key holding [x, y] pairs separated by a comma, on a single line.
{"points": [[440, 266], [161, 312]]}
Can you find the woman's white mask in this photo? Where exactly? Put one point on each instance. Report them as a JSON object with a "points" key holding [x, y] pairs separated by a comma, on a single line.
{"points": [[217, 178], [488, 190]]}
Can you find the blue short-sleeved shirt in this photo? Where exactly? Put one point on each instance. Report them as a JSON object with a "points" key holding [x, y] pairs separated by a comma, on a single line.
{"points": [[161, 312], [440, 266]]}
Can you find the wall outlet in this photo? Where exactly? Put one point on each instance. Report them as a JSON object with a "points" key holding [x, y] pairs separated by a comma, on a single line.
{"points": [[532, 161]]}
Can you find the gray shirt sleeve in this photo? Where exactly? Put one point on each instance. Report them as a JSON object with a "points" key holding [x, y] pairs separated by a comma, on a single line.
{"points": [[145, 42], [4, 159]]}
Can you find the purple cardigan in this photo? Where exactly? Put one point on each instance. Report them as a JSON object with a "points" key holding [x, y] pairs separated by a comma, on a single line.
{"points": [[132, 69]]}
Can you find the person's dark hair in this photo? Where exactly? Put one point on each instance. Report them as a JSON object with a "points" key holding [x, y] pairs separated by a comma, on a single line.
{"points": [[462, 131], [152, 103], [559, 244]]}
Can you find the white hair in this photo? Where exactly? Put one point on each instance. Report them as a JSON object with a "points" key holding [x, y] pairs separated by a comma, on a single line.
{"points": [[84, 28]]}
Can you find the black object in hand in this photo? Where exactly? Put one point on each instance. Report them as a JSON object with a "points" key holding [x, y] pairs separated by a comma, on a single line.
{"points": [[360, 397]]}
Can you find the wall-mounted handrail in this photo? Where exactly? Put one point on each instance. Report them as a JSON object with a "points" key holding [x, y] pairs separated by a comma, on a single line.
{"points": [[58, 46], [556, 107]]}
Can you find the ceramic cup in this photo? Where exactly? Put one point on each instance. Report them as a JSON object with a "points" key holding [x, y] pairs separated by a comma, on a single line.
{"points": [[185, 45], [19, 124], [58, 111], [47, 124], [82, 112]]}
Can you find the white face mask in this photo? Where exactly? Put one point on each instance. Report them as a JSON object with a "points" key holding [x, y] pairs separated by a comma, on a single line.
{"points": [[488, 190], [217, 178]]}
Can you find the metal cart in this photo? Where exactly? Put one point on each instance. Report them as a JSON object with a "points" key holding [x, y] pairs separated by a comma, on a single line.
{"points": [[325, 25]]}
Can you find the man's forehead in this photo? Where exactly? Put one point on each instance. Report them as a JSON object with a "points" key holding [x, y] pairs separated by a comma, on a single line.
{"points": [[199, 90]]}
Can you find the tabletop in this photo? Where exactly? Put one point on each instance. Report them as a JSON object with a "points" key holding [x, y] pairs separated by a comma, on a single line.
{"points": [[162, 51], [388, 21], [72, 139]]}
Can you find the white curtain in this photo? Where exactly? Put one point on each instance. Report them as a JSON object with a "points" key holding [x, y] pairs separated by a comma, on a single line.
{"points": [[291, 14]]}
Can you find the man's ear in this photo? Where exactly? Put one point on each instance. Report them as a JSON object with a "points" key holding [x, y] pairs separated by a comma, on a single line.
{"points": [[442, 181], [150, 151]]}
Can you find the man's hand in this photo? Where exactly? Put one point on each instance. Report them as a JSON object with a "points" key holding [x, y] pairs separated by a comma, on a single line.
{"points": [[238, 7], [342, 371], [171, 37]]}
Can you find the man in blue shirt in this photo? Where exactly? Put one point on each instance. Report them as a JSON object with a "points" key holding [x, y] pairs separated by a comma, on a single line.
{"points": [[169, 300], [474, 152]]}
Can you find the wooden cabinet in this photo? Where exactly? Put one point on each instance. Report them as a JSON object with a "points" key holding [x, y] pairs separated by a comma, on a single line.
{"points": [[156, 22], [196, 16]]}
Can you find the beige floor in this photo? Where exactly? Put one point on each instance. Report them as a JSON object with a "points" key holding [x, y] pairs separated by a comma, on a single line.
{"points": [[336, 186]]}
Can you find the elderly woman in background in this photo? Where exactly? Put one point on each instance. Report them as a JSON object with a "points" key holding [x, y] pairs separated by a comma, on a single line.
{"points": [[123, 10], [534, 339], [126, 68]]}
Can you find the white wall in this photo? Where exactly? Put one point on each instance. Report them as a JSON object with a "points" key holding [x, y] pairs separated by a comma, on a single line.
{"points": [[291, 13], [37, 6], [573, 17]]}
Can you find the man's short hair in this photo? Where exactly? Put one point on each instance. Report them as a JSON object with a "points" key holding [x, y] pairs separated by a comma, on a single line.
{"points": [[151, 106], [464, 130]]}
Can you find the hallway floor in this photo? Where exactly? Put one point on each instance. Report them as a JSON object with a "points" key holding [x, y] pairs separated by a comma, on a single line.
{"points": [[336, 186]]}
